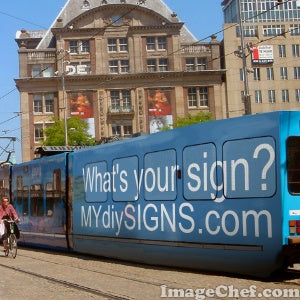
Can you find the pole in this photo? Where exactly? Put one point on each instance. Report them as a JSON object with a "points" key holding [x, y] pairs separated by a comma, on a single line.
{"points": [[64, 91], [247, 99]]}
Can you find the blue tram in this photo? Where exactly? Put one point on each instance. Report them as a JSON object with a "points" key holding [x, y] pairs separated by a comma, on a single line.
{"points": [[221, 196]]}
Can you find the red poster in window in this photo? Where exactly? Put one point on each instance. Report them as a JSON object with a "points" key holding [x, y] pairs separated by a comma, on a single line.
{"points": [[81, 105]]}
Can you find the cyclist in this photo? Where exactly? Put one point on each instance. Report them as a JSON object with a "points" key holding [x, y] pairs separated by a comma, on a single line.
{"points": [[7, 212]]}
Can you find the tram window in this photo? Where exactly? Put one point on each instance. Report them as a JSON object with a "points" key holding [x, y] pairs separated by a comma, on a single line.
{"points": [[25, 201], [249, 168], [293, 164], [199, 173], [126, 171], [96, 181], [160, 175], [36, 200], [49, 199]]}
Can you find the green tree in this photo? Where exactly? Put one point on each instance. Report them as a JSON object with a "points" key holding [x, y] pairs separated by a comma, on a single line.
{"points": [[77, 133], [191, 119]]}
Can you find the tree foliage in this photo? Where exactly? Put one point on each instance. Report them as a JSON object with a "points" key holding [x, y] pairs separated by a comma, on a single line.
{"points": [[191, 119], [77, 133]]}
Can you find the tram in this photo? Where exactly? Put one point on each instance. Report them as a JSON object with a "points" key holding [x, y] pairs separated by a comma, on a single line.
{"points": [[220, 196]]}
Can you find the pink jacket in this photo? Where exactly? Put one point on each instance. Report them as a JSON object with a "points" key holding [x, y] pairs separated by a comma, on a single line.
{"points": [[9, 211]]}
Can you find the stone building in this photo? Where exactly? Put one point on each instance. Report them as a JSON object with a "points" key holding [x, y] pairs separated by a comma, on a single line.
{"points": [[268, 50], [124, 66]]}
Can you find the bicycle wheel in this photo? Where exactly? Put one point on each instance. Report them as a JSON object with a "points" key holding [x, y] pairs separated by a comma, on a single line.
{"points": [[13, 247]]}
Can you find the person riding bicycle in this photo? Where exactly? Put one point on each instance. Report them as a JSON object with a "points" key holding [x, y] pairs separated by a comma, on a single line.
{"points": [[7, 212]]}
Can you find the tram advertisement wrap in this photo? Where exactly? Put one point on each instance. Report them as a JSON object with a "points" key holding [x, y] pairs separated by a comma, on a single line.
{"points": [[251, 175]]}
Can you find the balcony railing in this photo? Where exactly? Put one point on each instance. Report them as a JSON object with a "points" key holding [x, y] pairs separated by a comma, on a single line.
{"points": [[189, 49], [41, 55], [116, 109]]}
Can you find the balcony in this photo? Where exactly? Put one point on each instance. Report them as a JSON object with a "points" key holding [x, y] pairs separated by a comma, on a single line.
{"points": [[195, 49], [120, 109], [41, 55]]}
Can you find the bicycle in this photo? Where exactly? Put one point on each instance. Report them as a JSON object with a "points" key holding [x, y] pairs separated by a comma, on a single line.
{"points": [[12, 245]]}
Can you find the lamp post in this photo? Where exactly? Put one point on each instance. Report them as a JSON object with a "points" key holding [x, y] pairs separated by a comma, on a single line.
{"points": [[247, 98], [63, 62]]}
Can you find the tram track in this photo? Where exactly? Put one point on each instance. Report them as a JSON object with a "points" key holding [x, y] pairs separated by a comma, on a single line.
{"points": [[130, 278], [78, 276], [68, 284]]}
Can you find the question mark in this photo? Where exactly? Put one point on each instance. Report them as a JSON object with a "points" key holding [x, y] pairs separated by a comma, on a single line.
{"points": [[271, 151]]}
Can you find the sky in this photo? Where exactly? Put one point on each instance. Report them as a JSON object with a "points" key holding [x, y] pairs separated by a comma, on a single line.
{"points": [[202, 17]]}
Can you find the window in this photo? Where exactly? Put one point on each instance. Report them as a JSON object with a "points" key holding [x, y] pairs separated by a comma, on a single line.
{"points": [[113, 66], [192, 97], [162, 43], [163, 64], [258, 96], [124, 66], [43, 103], [74, 47], [283, 73], [123, 45], [38, 132], [117, 45], [197, 97], [79, 46], [115, 99], [160, 65], [49, 103], [273, 30], [297, 94], [120, 100], [270, 74], [295, 50], [256, 74], [285, 95], [127, 130], [151, 65], [119, 66], [190, 64], [150, 44], [37, 103], [156, 43], [296, 72], [124, 129], [85, 46], [293, 164], [282, 50], [249, 31], [195, 63], [271, 94], [294, 29], [116, 129], [201, 63], [112, 45], [42, 71]]}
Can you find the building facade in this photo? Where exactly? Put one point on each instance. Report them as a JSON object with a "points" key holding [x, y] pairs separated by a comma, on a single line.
{"points": [[124, 66], [261, 60]]}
